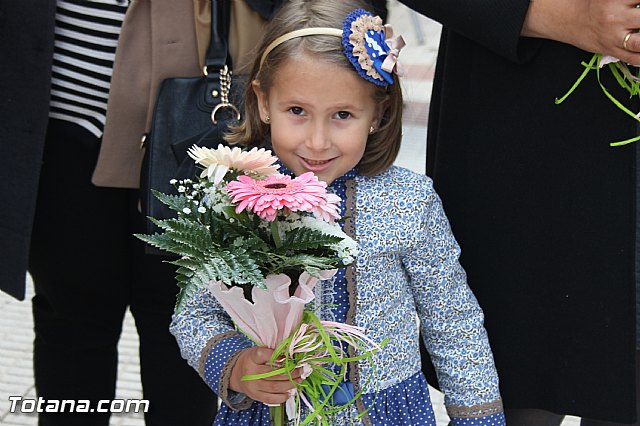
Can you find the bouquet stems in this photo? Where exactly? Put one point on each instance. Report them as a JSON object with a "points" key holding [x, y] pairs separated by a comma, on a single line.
{"points": [[277, 415]]}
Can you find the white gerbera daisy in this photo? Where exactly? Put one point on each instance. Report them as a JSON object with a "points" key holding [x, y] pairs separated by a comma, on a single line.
{"points": [[217, 162]]}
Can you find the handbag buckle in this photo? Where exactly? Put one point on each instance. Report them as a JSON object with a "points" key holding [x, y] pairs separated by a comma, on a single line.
{"points": [[225, 88], [224, 105]]}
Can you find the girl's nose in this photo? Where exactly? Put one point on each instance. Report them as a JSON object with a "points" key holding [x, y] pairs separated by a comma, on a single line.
{"points": [[318, 137]]}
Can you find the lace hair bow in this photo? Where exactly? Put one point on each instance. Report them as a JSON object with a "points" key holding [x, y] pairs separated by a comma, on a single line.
{"points": [[371, 47]]}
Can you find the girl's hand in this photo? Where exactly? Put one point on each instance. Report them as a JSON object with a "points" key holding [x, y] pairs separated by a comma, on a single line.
{"points": [[598, 26], [271, 390]]}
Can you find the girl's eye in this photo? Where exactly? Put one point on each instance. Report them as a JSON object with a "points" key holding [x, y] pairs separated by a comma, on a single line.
{"points": [[296, 110], [343, 115]]}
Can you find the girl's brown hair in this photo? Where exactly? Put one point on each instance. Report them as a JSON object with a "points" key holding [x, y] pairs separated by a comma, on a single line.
{"points": [[383, 145]]}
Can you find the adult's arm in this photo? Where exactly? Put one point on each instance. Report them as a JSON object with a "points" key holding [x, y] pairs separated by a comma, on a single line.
{"points": [[592, 25], [494, 24]]}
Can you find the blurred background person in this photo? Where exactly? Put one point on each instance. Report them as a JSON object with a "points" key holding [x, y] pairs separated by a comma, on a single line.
{"points": [[544, 209]]}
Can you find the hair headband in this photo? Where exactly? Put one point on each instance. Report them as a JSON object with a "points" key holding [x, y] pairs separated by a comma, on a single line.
{"points": [[368, 44], [298, 33]]}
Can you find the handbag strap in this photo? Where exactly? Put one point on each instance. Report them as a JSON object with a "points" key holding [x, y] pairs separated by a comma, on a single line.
{"points": [[218, 52], [218, 62]]}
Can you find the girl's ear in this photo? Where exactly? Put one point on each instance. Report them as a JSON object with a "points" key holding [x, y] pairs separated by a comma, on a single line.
{"points": [[263, 104], [381, 108]]}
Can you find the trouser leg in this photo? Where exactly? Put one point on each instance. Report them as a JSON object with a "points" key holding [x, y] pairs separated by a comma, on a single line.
{"points": [[87, 268], [532, 417], [179, 395], [78, 265]]}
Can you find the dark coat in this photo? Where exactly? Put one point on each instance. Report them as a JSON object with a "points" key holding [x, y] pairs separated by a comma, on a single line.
{"points": [[544, 209], [26, 54]]}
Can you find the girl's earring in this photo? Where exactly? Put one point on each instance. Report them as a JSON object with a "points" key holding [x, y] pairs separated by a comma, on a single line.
{"points": [[371, 130], [267, 119]]}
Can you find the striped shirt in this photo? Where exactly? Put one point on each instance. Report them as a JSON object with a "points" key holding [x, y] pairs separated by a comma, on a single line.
{"points": [[86, 36]]}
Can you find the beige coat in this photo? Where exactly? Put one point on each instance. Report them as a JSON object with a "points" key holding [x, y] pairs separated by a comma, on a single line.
{"points": [[159, 39]]}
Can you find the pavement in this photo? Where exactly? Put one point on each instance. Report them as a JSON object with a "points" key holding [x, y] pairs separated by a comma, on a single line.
{"points": [[16, 325]]}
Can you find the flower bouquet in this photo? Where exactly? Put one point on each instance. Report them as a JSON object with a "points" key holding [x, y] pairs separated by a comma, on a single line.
{"points": [[259, 241], [628, 80]]}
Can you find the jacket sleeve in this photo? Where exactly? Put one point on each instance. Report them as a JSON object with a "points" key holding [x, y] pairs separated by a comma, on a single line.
{"points": [[493, 24], [210, 343], [26, 49], [451, 320]]}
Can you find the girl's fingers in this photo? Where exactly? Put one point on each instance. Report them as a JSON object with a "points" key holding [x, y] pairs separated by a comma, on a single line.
{"points": [[261, 355], [263, 369], [293, 375], [275, 387], [271, 399], [272, 389], [272, 392]]}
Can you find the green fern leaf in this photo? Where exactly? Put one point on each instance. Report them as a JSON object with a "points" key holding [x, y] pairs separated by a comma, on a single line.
{"points": [[238, 229], [186, 292], [174, 202], [308, 239], [184, 237], [308, 262]]}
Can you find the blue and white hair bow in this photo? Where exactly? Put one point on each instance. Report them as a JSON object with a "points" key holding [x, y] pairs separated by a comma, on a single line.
{"points": [[371, 47]]}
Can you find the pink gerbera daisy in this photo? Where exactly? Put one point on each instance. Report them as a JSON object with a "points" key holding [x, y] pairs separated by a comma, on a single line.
{"points": [[265, 197]]}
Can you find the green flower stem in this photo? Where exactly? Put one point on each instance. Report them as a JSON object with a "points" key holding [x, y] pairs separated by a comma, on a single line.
{"points": [[275, 233], [624, 78], [320, 397], [276, 416], [587, 67]]}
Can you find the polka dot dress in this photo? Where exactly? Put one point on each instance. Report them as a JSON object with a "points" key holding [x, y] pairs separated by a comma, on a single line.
{"points": [[492, 420]]}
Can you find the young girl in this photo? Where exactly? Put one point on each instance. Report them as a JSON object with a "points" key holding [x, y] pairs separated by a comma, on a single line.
{"points": [[324, 90]]}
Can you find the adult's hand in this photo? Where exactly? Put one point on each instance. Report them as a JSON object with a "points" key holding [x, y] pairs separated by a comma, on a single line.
{"points": [[598, 26]]}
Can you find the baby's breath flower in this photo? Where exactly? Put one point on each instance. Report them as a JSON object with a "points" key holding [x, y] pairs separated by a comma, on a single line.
{"points": [[202, 209], [186, 210], [181, 188]]}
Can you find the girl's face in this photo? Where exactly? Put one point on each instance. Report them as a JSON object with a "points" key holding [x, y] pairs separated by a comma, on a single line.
{"points": [[320, 115]]}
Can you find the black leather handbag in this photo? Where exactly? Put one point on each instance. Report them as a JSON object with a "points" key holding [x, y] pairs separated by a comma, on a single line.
{"points": [[188, 111]]}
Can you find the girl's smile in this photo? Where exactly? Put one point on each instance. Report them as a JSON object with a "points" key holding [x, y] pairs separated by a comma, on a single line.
{"points": [[316, 166]]}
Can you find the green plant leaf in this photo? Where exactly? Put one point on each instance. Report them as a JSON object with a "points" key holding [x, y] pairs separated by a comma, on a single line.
{"points": [[306, 239], [173, 201]]}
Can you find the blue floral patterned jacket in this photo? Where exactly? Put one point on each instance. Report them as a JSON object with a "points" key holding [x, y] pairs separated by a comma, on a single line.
{"points": [[407, 268]]}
